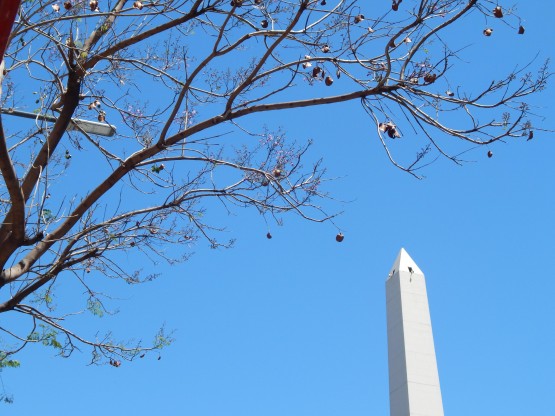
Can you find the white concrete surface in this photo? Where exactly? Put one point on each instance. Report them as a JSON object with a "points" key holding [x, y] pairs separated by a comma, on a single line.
{"points": [[413, 378]]}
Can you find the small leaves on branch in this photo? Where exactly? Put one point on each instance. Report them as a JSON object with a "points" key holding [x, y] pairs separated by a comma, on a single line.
{"points": [[157, 168]]}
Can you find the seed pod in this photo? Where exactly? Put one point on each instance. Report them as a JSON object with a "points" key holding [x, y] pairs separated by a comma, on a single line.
{"points": [[264, 24], [490, 153], [68, 5], [358, 18], [497, 12], [430, 78], [93, 4], [329, 80], [269, 236], [488, 31], [521, 30], [326, 49], [56, 7], [339, 237], [138, 5], [316, 71], [276, 172]]}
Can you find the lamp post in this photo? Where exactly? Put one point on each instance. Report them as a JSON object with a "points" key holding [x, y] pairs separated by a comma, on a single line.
{"points": [[91, 127]]}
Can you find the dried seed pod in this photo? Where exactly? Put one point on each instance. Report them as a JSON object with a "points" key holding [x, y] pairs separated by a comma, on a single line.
{"points": [[264, 24], [497, 12], [339, 237], [138, 5], [488, 31], [450, 93], [490, 153], [323, 3], [56, 7], [430, 78], [530, 135], [393, 133], [68, 5], [93, 4], [102, 116], [359, 18], [316, 71], [326, 49], [521, 30], [269, 236], [276, 172], [329, 80]]}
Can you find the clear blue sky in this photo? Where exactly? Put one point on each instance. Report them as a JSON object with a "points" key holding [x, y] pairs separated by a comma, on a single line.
{"points": [[296, 325]]}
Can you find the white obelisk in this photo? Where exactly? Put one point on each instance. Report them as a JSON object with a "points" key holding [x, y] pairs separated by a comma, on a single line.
{"points": [[413, 378]]}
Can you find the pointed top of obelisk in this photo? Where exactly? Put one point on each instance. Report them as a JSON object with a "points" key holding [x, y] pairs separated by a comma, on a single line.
{"points": [[404, 263]]}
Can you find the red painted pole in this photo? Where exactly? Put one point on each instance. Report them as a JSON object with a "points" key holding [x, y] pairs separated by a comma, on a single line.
{"points": [[8, 11]]}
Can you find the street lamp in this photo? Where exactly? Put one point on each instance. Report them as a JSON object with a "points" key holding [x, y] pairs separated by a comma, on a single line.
{"points": [[91, 127]]}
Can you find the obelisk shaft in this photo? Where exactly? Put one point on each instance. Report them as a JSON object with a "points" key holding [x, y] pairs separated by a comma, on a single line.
{"points": [[413, 377]]}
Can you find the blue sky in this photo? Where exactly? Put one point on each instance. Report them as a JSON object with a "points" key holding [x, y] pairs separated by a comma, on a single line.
{"points": [[296, 325]]}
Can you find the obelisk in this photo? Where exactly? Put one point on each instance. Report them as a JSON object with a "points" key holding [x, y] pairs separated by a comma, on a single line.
{"points": [[413, 378]]}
